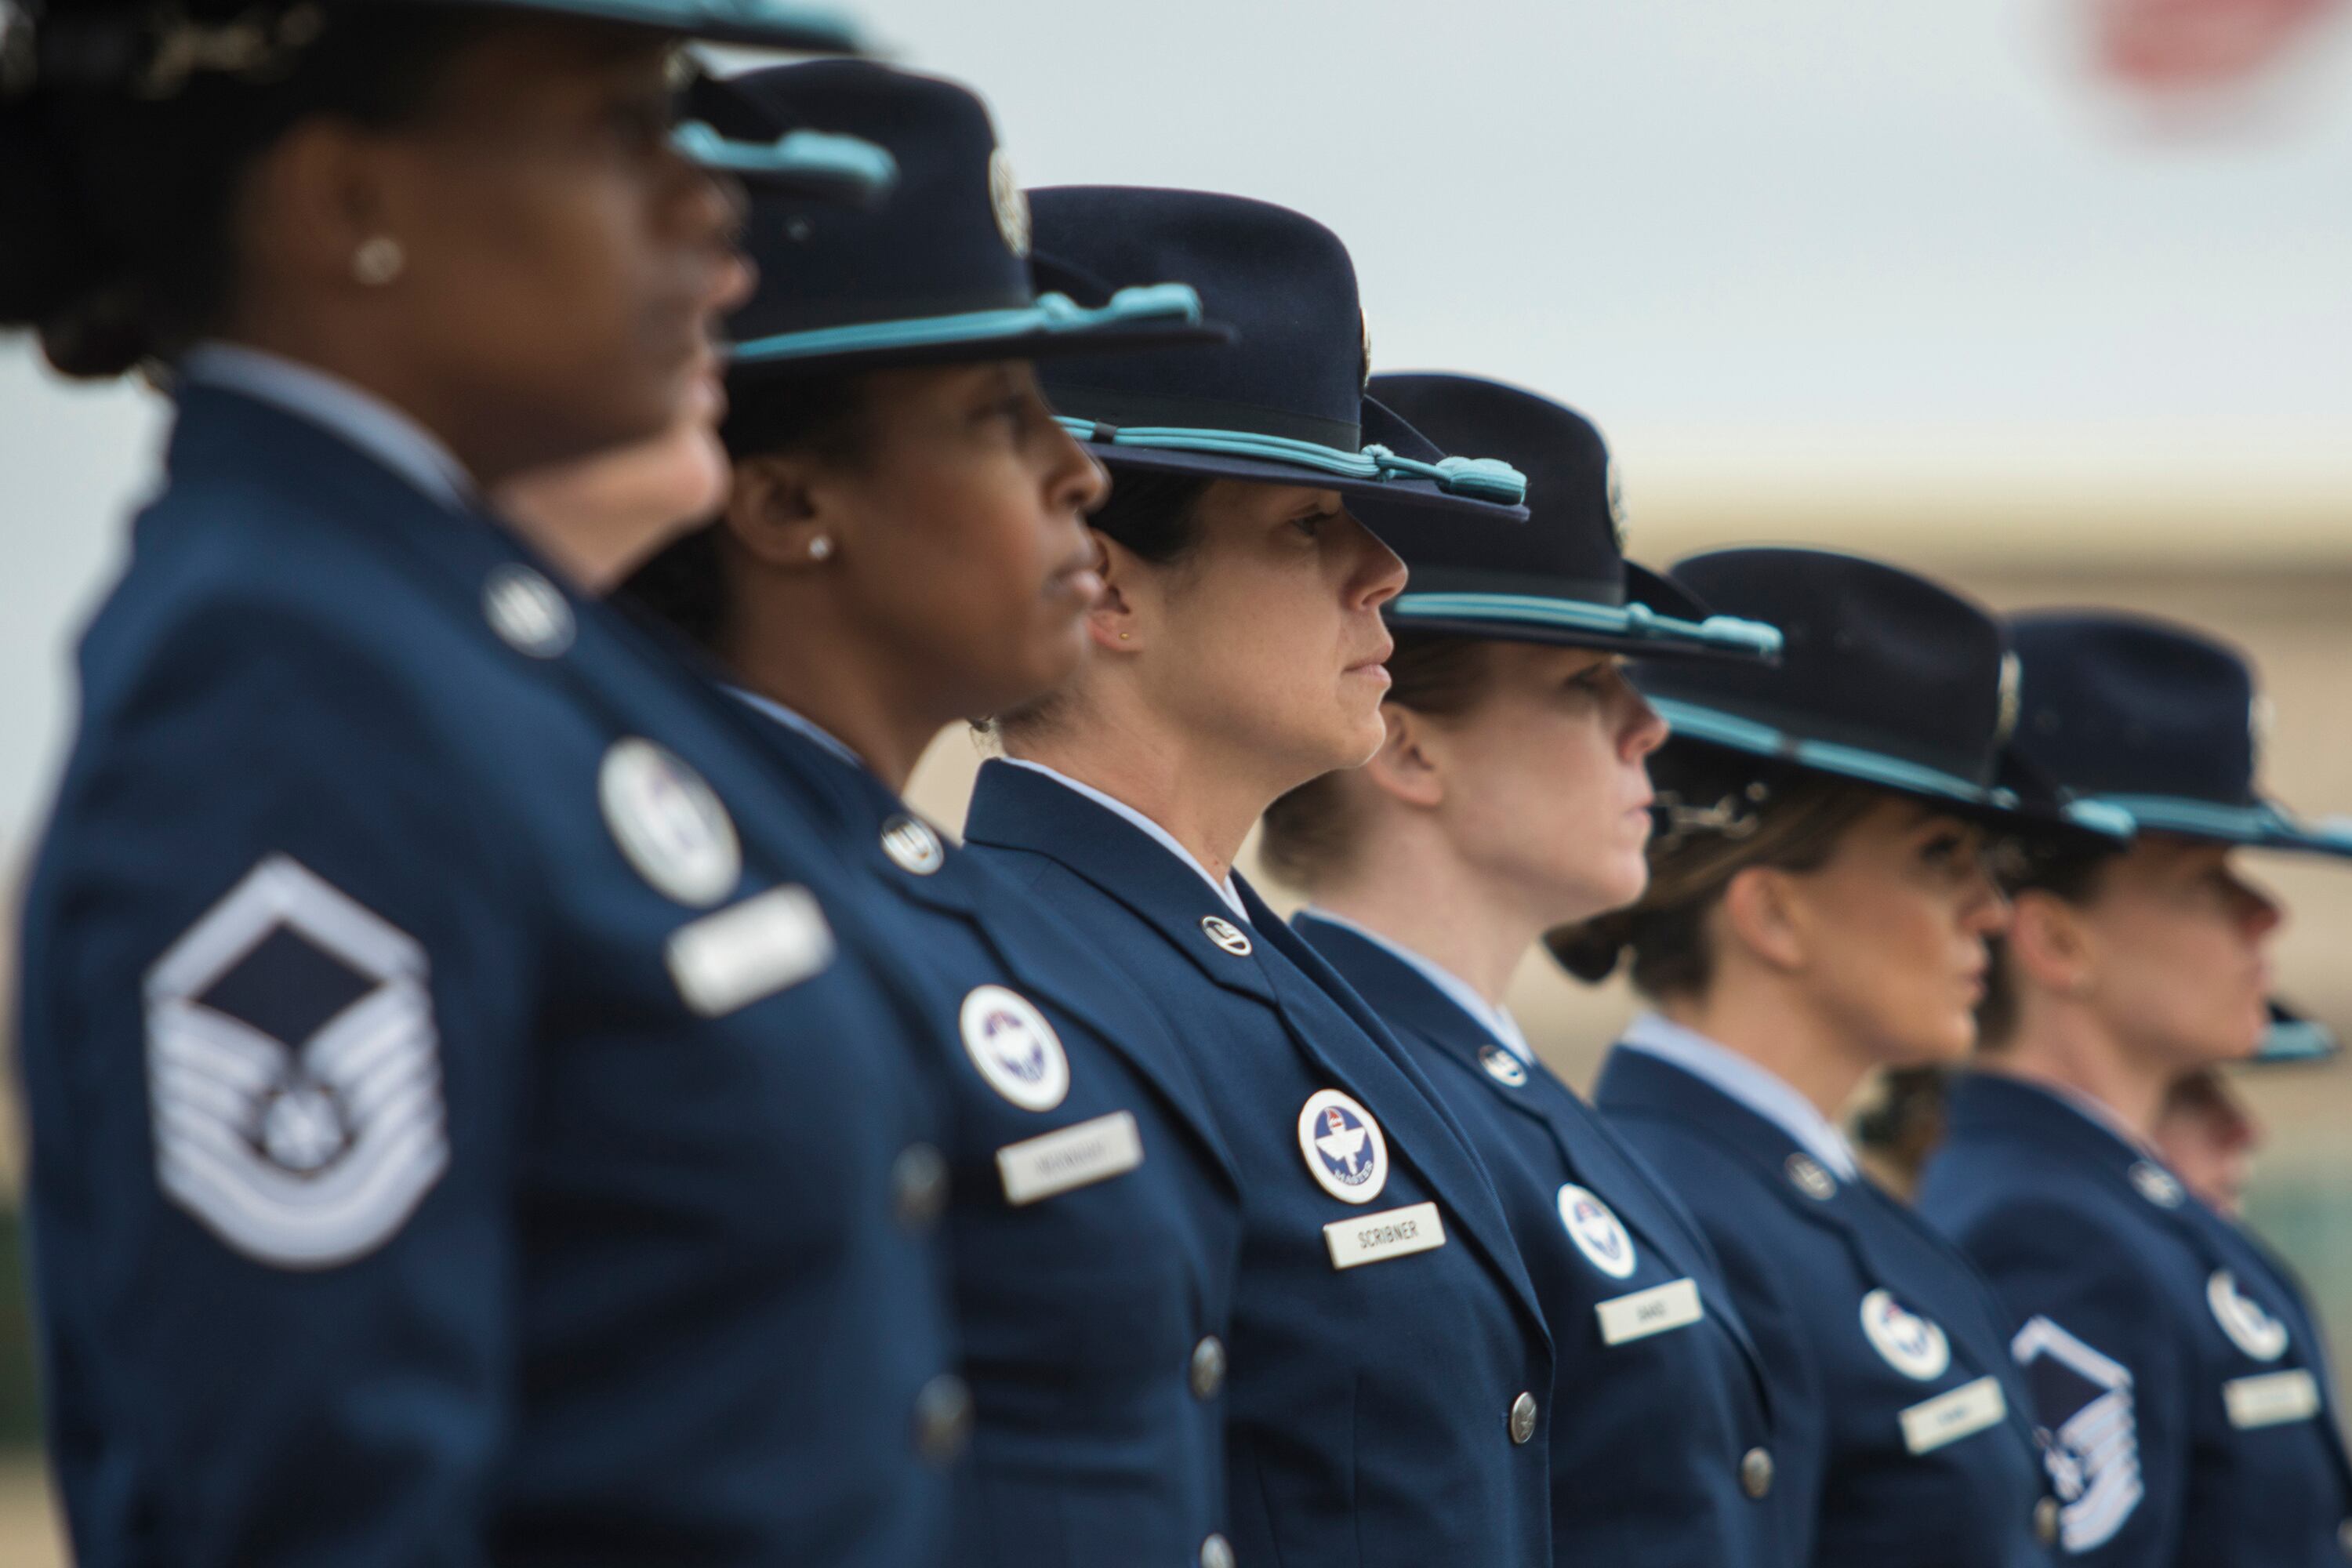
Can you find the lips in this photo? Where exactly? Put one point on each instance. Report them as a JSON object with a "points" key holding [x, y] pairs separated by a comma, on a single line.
{"points": [[1388, 646]]}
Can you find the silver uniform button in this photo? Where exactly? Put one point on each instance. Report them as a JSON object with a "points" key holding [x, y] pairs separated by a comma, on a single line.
{"points": [[526, 610], [1755, 1472], [912, 847], [2045, 1522], [1208, 1367], [1522, 1418], [1216, 1553], [918, 1185], [942, 1418]]}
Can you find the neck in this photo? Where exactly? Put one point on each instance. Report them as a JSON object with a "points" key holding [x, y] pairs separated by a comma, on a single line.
{"points": [[1420, 895], [1769, 1021], [2062, 1044], [799, 655], [1205, 799]]}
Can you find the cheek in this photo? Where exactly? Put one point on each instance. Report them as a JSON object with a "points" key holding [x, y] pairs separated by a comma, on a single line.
{"points": [[1890, 960], [2186, 980]]}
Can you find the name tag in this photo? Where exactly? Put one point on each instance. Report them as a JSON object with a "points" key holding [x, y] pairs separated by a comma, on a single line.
{"points": [[749, 951], [1077, 1156], [1377, 1238], [1651, 1312], [2272, 1399], [1949, 1417]]}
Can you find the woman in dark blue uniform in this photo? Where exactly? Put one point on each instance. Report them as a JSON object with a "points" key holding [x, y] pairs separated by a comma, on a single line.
{"points": [[907, 547], [2174, 1360], [1509, 798], [1818, 907], [470, 1115], [1389, 1374]]}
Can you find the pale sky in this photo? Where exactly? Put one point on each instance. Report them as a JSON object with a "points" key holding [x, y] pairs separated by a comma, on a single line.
{"points": [[1782, 237]]}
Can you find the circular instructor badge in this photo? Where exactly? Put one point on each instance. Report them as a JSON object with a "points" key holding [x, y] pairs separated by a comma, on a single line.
{"points": [[1014, 1048], [2250, 1328], [1912, 1345], [1345, 1151], [1596, 1232], [667, 823]]}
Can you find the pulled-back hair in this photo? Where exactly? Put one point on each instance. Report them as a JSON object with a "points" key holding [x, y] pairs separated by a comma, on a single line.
{"points": [[120, 185], [1726, 812], [1313, 833]]}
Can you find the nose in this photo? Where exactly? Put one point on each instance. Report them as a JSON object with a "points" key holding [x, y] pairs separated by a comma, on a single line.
{"points": [[1988, 913], [1644, 731], [1379, 575], [1077, 481]]}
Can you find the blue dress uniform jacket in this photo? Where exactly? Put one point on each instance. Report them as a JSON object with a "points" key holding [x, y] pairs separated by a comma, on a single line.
{"points": [[1902, 1430], [2172, 1358], [1667, 1392], [464, 1112], [1094, 1222], [1386, 1412]]}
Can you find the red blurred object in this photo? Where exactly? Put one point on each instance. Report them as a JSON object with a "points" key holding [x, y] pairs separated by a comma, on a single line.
{"points": [[2175, 46]]}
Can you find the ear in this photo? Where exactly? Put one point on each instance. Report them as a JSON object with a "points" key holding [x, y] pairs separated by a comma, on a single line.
{"points": [[322, 191], [2049, 943], [1759, 907], [1118, 621], [778, 509], [1408, 765]]}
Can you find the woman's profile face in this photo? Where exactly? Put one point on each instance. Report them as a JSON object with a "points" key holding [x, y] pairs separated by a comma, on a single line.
{"points": [[962, 532], [1265, 640], [2176, 945], [1546, 788], [563, 264], [1893, 931]]}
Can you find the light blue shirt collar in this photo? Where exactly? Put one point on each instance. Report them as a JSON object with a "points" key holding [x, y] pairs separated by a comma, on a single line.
{"points": [[1765, 1092], [360, 419], [1166, 840], [1496, 1021], [799, 725]]}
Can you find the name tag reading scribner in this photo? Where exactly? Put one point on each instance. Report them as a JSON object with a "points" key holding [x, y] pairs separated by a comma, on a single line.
{"points": [[1377, 1238], [1076, 1156]]}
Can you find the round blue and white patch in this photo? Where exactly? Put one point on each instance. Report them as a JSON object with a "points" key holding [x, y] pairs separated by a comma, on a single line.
{"points": [[1345, 1150], [1912, 1345], [1595, 1229], [2250, 1328], [1502, 1065], [1014, 1048], [668, 824]]}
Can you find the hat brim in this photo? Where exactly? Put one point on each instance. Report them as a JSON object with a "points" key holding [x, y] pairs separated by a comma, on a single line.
{"points": [[1998, 806], [2265, 824], [1379, 426], [802, 29], [1147, 319], [1658, 620], [2291, 1038]]}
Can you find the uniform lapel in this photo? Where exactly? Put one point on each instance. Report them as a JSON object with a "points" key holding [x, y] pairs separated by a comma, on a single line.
{"points": [[1408, 1104]]}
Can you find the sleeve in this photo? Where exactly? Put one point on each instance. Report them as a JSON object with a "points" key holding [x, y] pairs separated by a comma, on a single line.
{"points": [[277, 1002], [2109, 1375]]}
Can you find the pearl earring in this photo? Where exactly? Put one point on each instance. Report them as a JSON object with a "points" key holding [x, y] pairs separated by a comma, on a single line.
{"points": [[378, 261], [821, 547]]}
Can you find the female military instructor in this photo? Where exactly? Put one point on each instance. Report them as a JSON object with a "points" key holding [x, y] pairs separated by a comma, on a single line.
{"points": [[1510, 797], [438, 1155], [1388, 1365], [906, 547]]}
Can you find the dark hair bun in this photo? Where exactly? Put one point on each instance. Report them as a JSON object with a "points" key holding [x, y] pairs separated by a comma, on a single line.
{"points": [[1592, 951]]}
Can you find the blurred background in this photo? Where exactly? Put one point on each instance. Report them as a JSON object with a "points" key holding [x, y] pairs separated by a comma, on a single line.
{"points": [[2048, 297]]}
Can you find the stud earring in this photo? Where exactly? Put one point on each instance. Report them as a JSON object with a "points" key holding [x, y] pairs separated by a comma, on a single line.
{"points": [[378, 261], [821, 547], [1123, 637]]}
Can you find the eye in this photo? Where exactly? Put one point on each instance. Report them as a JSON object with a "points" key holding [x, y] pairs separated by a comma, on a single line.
{"points": [[1945, 849], [1312, 525]]}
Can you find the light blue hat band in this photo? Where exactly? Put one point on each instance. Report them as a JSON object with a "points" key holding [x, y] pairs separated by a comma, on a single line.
{"points": [[847, 161], [2299, 1041], [1479, 478], [1173, 304], [1871, 767], [2262, 825], [1636, 622]]}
